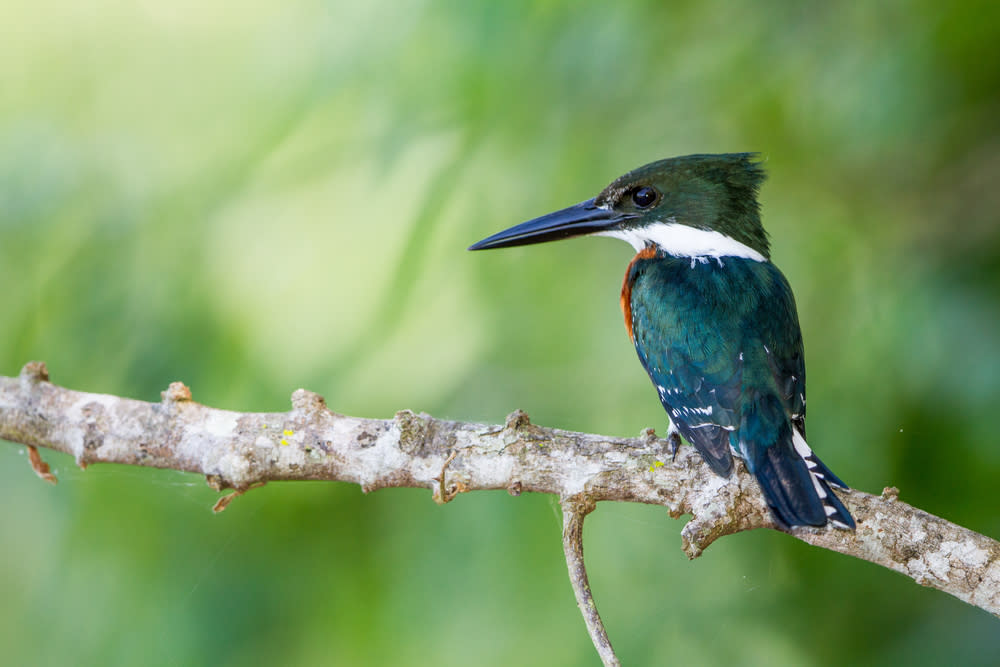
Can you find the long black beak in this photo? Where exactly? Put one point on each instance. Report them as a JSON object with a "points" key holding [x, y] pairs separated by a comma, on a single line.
{"points": [[584, 218]]}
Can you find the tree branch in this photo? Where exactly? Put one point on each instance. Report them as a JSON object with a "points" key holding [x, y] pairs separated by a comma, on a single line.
{"points": [[574, 511], [240, 450]]}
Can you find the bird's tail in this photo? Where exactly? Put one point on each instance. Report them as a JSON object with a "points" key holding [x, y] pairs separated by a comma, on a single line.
{"points": [[796, 484]]}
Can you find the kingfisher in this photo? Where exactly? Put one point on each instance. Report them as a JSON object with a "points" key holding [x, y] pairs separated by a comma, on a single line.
{"points": [[712, 319]]}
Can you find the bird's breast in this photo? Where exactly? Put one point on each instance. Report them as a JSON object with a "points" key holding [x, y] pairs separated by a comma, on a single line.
{"points": [[649, 252]]}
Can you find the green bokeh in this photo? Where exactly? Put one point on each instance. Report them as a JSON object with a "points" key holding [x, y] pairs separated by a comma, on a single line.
{"points": [[257, 198]]}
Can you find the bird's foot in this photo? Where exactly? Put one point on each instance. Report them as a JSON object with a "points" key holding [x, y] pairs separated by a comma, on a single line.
{"points": [[673, 440], [673, 444]]}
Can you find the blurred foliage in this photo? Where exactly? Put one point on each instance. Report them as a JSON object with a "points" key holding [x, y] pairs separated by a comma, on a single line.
{"points": [[257, 200]]}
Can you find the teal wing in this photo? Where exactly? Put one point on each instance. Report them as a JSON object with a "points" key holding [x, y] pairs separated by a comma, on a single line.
{"points": [[721, 342], [688, 336]]}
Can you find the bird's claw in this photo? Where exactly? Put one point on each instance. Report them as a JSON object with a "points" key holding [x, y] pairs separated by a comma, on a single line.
{"points": [[673, 444]]}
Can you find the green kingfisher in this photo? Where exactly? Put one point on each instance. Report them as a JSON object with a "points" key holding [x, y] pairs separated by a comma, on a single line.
{"points": [[712, 319]]}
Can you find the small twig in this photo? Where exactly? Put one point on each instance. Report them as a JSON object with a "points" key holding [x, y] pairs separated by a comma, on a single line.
{"points": [[443, 494], [574, 510], [40, 467], [223, 502]]}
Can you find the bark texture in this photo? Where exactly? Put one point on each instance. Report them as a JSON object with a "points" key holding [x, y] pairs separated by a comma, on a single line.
{"points": [[238, 451]]}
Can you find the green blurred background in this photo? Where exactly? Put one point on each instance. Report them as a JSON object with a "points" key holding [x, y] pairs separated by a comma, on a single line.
{"points": [[258, 198]]}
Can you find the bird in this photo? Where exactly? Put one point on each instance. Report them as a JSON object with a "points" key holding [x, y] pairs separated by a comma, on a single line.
{"points": [[712, 319]]}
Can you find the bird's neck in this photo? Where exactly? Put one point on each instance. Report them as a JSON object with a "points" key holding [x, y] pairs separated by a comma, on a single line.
{"points": [[679, 240]]}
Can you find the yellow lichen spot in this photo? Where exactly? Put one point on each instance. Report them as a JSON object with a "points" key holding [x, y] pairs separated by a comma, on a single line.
{"points": [[658, 464], [288, 433], [283, 442]]}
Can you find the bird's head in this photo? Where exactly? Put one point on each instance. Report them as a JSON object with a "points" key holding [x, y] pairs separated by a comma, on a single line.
{"points": [[692, 206]]}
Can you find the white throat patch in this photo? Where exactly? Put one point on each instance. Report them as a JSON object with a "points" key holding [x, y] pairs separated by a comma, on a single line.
{"points": [[683, 241]]}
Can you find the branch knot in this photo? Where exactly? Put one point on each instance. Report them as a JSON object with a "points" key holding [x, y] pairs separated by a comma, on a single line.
{"points": [[35, 371], [517, 420], [177, 392], [308, 402], [413, 430]]}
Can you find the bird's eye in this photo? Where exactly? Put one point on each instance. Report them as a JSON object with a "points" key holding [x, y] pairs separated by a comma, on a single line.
{"points": [[644, 197]]}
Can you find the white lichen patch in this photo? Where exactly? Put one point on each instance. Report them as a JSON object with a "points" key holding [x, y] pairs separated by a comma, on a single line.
{"points": [[967, 553], [74, 439], [917, 569], [491, 472], [231, 466], [345, 430], [711, 499], [383, 458], [575, 475], [917, 533], [88, 403], [483, 439], [938, 564], [616, 457], [104, 400], [203, 439], [950, 554], [220, 424], [986, 594], [87, 411], [714, 485]]}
